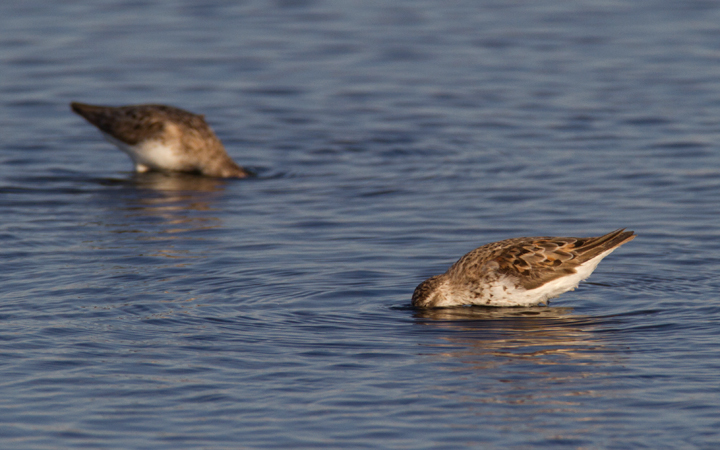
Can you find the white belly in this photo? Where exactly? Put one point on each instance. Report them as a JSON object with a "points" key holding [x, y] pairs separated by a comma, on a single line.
{"points": [[150, 155]]}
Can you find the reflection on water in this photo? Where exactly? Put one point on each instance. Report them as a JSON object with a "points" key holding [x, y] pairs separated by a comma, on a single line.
{"points": [[480, 313], [175, 199], [176, 183], [154, 211], [536, 334], [540, 356], [536, 371]]}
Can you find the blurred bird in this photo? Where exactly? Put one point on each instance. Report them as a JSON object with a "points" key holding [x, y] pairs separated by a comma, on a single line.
{"points": [[163, 138]]}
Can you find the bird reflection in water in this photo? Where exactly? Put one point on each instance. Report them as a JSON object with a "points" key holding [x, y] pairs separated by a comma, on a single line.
{"points": [[174, 198], [525, 363], [164, 209], [536, 333], [188, 183]]}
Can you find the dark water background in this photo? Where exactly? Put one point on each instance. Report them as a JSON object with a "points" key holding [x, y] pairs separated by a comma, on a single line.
{"points": [[156, 312]]}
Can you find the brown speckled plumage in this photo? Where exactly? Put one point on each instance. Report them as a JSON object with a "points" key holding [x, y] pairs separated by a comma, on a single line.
{"points": [[188, 143], [519, 271]]}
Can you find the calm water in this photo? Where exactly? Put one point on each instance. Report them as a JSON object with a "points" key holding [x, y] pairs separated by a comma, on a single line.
{"points": [[157, 312]]}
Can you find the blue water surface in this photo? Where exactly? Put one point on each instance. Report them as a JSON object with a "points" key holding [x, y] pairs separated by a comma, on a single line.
{"points": [[150, 311]]}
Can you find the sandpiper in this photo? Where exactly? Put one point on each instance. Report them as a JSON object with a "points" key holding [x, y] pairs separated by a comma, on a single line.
{"points": [[522, 271], [163, 138]]}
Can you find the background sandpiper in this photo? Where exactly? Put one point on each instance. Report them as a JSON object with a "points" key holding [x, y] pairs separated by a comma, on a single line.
{"points": [[163, 138]]}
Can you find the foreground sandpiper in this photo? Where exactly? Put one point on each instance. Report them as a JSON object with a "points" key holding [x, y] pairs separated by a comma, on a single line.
{"points": [[163, 138], [518, 272]]}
